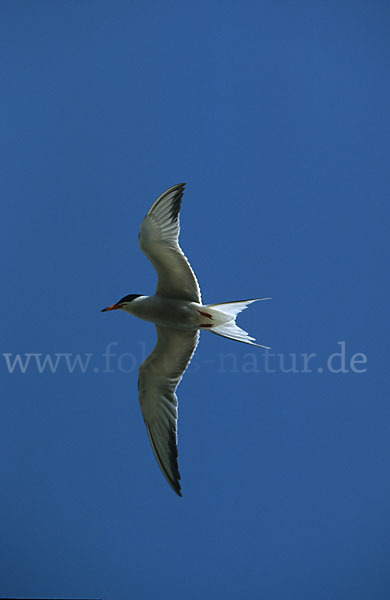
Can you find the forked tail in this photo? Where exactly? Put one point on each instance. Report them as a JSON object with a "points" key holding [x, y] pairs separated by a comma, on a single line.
{"points": [[223, 320]]}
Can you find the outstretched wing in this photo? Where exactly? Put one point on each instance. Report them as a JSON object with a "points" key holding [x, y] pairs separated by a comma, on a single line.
{"points": [[159, 240], [159, 376]]}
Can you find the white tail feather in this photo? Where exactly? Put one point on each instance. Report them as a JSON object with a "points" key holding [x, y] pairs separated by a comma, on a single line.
{"points": [[224, 320]]}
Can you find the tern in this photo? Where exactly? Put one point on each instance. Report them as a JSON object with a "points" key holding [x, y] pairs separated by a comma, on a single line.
{"points": [[177, 311]]}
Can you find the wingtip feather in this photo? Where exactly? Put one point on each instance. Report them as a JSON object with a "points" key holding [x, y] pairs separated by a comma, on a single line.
{"points": [[172, 480]]}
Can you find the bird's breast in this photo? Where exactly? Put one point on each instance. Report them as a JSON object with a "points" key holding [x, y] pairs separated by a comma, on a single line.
{"points": [[167, 312]]}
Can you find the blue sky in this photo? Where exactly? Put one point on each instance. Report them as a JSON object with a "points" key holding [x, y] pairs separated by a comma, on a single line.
{"points": [[276, 116]]}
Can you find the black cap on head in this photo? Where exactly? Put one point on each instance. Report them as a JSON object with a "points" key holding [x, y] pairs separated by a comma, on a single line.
{"points": [[128, 298]]}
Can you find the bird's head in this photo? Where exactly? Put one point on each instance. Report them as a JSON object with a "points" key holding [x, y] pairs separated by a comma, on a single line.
{"points": [[122, 303]]}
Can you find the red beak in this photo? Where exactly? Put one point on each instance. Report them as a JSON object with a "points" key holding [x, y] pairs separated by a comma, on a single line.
{"points": [[112, 307]]}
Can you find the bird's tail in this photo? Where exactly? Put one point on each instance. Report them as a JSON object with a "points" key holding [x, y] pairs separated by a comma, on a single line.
{"points": [[221, 320]]}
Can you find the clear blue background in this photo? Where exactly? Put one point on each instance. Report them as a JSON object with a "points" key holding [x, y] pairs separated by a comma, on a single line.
{"points": [[277, 116]]}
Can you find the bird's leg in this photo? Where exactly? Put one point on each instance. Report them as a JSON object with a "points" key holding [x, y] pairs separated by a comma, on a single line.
{"points": [[205, 314]]}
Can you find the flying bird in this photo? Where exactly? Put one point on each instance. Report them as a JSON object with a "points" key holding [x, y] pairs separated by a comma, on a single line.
{"points": [[177, 311]]}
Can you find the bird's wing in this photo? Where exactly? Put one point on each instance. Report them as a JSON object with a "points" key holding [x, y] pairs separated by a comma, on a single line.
{"points": [[159, 376], [159, 240]]}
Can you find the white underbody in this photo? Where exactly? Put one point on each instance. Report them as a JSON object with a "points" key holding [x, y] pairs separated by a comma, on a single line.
{"points": [[173, 313]]}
